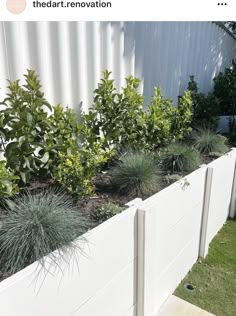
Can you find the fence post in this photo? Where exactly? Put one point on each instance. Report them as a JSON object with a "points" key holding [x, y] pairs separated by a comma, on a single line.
{"points": [[232, 207], [141, 263], [205, 213]]}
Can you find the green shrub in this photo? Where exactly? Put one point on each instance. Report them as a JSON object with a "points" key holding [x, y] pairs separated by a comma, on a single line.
{"points": [[35, 225], [158, 118], [136, 173], [8, 181], [75, 172], [166, 123], [179, 157], [182, 118], [225, 90], [35, 132], [23, 123], [206, 108], [106, 211], [117, 117], [65, 131], [121, 121], [207, 141]]}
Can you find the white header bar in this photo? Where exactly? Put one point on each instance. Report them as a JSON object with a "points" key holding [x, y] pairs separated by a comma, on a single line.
{"points": [[113, 10]]}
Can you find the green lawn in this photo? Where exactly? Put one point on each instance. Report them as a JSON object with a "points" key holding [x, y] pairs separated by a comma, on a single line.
{"points": [[215, 278]]}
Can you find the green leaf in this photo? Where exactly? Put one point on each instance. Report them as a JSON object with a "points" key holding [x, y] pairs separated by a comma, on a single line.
{"points": [[23, 177], [29, 119], [11, 147]]}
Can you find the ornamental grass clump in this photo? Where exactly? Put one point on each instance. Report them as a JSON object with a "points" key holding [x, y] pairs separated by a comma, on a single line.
{"points": [[34, 225], [136, 173], [179, 157], [207, 141]]}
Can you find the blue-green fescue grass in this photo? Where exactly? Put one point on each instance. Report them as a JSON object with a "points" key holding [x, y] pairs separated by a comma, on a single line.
{"points": [[179, 157], [207, 141], [136, 173], [215, 278], [34, 225]]}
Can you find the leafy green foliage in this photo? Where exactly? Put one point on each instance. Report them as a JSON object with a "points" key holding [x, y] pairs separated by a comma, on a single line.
{"points": [[165, 122], [121, 121], [225, 90], [158, 119], [179, 157], [231, 25], [181, 124], [34, 131], [206, 108], [35, 225], [65, 133], [8, 181], [207, 141], [23, 123], [136, 173], [106, 211], [170, 178], [118, 117], [76, 171]]}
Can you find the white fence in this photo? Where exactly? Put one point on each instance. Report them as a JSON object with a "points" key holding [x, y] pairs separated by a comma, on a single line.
{"points": [[136, 259], [220, 194], [101, 283], [70, 56], [171, 233], [177, 226]]}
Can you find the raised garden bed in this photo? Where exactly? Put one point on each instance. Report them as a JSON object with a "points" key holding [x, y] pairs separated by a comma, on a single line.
{"points": [[66, 189], [114, 250]]}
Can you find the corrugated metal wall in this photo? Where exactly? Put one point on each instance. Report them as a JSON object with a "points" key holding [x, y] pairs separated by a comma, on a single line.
{"points": [[70, 56]]}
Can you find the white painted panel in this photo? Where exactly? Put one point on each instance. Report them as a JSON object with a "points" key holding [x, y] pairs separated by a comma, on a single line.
{"points": [[108, 300], [132, 311], [221, 188], [170, 279], [171, 237], [110, 266], [70, 56]]}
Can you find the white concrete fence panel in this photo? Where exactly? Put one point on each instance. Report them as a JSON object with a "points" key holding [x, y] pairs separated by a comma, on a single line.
{"points": [[220, 194], [171, 234]]}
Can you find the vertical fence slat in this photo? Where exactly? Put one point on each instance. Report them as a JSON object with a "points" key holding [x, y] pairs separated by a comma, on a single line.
{"points": [[232, 209], [205, 213], [141, 263]]}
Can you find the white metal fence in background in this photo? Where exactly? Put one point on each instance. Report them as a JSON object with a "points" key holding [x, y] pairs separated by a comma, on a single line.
{"points": [[70, 56]]}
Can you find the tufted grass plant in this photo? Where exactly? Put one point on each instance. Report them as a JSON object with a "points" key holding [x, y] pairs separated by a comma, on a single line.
{"points": [[179, 157], [207, 141], [34, 225], [136, 173]]}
